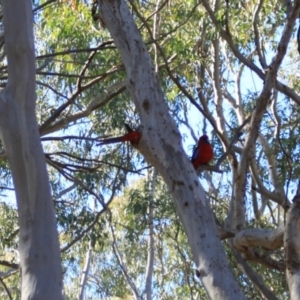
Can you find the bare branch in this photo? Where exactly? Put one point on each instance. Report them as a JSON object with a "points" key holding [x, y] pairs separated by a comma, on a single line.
{"points": [[264, 260], [256, 237], [261, 56], [95, 103], [6, 289], [253, 276], [70, 51], [40, 7], [8, 264], [264, 191], [120, 261], [73, 97]]}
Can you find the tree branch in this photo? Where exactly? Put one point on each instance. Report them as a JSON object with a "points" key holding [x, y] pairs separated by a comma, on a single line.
{"points": [[256, 237]]}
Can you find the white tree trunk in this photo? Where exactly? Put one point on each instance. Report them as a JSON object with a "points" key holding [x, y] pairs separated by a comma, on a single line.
{"points": [[161, 146], [38, 245]]}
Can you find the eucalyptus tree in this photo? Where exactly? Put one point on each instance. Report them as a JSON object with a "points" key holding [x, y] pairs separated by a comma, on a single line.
{"points": [[228, 69]]}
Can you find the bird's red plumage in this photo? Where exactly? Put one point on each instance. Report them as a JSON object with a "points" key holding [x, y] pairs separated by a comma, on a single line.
{"points": [[132, 136], [203, 153]]}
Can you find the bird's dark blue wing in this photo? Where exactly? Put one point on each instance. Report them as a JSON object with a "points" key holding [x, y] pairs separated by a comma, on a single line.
{"points": [[195, 154]]}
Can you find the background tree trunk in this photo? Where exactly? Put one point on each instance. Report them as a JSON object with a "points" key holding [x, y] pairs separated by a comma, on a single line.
{"points": [[38, 245], [151, 240], [292, 246]]}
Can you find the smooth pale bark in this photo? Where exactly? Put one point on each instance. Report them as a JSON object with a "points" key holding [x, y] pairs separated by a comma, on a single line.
{"points": [[257, 237], [38, 245], [161, 146]]}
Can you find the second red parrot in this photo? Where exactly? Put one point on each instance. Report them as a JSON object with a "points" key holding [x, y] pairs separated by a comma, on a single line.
{"points": [[203, 153], [132, 136]]}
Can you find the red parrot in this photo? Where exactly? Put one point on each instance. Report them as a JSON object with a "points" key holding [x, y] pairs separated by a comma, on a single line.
{"points": [[133, 136], [203, 153]]}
